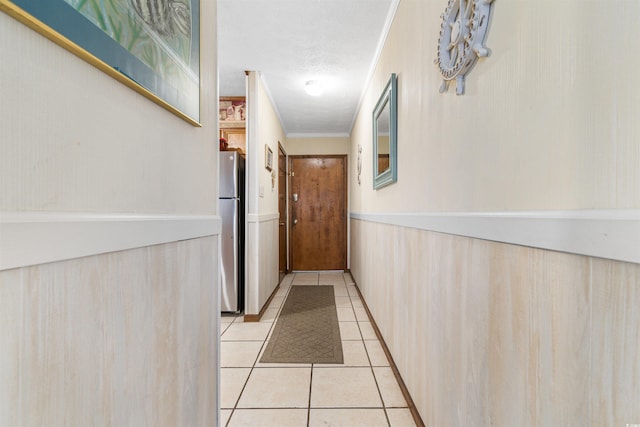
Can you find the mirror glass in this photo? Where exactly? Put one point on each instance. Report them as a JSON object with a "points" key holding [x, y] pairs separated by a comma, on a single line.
{"points": [[383, 138], [385, 131]]}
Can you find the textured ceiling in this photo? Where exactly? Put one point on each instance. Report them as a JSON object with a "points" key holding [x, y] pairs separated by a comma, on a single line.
{"points": [[292, 41]]}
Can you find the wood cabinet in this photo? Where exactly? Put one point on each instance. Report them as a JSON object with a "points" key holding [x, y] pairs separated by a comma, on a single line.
{"points": [[232, 118], [236, 138]]}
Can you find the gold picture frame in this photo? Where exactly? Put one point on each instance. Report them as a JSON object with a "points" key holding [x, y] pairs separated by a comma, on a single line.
{"points": [[85, 32]]}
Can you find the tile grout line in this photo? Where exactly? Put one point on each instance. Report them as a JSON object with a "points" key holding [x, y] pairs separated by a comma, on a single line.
{"points": [[245, 382], [313, 366], [403, 388], [278, 408], [384, 406], [309, 402], [256, 361], [235, 406]]}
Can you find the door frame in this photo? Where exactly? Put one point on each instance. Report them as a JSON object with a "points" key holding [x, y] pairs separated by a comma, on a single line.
{"points": [[282, 152], [291, 173]]}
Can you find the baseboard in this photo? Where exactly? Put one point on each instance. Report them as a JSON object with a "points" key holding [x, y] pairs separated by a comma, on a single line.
{"points": [[405, 392], [257, 317]]}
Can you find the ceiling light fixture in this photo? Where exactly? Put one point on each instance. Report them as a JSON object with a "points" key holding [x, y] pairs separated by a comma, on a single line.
{"points": [[313, 87]]}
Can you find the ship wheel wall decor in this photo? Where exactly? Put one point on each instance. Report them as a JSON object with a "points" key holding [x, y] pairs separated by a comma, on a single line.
{"points": [[461, 41]]}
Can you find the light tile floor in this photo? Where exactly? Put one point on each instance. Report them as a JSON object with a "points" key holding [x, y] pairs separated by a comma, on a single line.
{"points": [[361, 392]]}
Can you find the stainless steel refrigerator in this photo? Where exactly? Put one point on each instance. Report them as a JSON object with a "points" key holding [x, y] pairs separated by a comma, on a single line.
{"points": [[233, 231]]}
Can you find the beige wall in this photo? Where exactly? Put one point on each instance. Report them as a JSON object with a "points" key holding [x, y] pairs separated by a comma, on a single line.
{"points": [[74, 139], [318, 145], [488, 333], [270, 132], [264, 129], [127, 337], [545, 122]]}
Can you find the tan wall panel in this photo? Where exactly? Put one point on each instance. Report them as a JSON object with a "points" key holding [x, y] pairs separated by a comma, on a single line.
{"points": [[126, 338], [262, 263], [487, 333], [615, 342]]}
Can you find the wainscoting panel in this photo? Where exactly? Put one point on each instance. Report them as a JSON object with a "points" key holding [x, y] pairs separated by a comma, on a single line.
{"points": [[615, 348], [124, 338], [262, 260], [487, 333]]}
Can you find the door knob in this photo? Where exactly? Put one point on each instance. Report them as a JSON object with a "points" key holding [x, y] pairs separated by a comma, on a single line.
{"points": [[282, 224], [295, 221]]}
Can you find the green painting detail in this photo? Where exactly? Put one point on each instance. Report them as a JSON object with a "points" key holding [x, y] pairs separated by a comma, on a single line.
{"points": [[157, 32]]}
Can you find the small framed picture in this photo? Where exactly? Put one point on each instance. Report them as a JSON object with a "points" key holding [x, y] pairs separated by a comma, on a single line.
{"points": [[268, 157]]}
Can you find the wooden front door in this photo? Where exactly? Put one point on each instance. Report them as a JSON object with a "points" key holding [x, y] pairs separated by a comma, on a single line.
{"points": [[282, 210], [318, 200]]}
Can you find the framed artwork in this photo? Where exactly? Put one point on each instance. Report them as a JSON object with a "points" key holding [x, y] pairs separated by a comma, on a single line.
{"points": [[268, 157], [232, 109], [151, 46]]}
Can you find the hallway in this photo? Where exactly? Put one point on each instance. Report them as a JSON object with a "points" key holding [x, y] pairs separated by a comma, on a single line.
{"points": [[362, 392]]}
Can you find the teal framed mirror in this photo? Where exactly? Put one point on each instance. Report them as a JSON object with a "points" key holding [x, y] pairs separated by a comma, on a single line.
{"points": [[385, 136]]}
